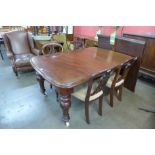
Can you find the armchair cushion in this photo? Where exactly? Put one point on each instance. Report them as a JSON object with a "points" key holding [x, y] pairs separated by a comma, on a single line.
{"points": [[22, 60]]}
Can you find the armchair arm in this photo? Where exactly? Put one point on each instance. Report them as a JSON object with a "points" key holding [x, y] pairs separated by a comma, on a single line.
{"points": [[36, 51], [9, 54], [31, 43]]}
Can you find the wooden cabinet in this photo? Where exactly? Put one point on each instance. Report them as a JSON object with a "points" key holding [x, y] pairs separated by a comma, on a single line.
{"points": [[147, 68], [88, 41]]}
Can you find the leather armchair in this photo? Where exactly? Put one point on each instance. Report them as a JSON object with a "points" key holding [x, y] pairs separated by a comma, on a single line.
{"points": [[20, 49]]}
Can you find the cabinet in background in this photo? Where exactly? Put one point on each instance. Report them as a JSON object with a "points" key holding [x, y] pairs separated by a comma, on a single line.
{"points": [[147, 68]]}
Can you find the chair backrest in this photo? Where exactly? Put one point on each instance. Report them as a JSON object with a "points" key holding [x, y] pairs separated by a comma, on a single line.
{"points": [[129, 46], [97, 83], [17, 41], [122, 72], [52, 48], [134, 48], [104, 42], [31, 40], [126, 67]]}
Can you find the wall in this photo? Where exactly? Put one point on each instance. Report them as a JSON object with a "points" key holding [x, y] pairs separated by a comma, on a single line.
{"points": [[107, 30]]}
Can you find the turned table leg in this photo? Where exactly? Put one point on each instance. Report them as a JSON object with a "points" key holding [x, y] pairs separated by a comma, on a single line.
{"points": [[41, 80], [65, 103]]}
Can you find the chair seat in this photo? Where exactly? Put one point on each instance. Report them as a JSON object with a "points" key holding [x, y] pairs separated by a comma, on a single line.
{"points": [[118, 83], [22, 60], [80, 93]]}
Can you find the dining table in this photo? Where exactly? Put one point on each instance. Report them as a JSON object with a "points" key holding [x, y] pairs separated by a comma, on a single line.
{"points": [[66, 70]]}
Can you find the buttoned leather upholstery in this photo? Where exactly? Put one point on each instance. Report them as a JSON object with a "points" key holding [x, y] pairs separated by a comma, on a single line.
{"points": [[20, 49]]}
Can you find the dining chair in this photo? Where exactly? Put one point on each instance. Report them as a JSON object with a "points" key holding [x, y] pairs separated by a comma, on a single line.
{"points": [[104, 42], [51, 48], [134, 48], [93, 91], [117, 80]]}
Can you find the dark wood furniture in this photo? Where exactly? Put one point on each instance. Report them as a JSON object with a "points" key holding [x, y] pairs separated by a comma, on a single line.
{"points": [[67, 70], [116, 81], [51, 48], [69, 37], [1, 42], [104, 42], [87, 40], [92, 91], [147, 68], [133, 48]]}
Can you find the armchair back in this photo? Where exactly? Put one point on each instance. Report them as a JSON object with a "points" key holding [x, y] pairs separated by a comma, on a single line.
{"points": [[18, 42]]}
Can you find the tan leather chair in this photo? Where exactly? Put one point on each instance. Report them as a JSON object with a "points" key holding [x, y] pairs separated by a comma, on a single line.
{"points": [[19, 49]]}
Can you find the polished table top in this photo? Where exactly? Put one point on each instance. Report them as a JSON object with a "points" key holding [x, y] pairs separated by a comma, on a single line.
{"points": [[69, 69]]}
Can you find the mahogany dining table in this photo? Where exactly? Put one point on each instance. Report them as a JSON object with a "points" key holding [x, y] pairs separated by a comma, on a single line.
{"points": [[67, 70]]}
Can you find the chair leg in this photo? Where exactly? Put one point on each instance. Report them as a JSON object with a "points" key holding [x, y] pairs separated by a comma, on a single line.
{"points": [[100, 105], [41, 80], [87, 112], [120, 93], [1, 55], [51, 86], [111, 97], [15, 71]]}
